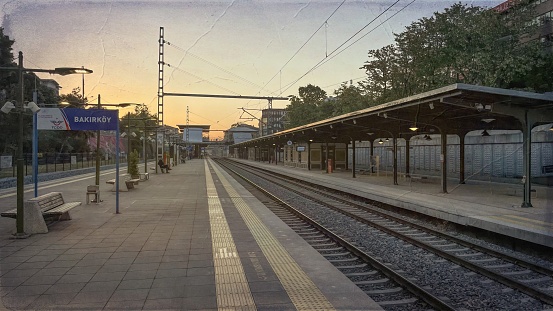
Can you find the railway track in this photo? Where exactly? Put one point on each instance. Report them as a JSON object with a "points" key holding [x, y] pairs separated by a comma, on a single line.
{"points": [[514, 274]]}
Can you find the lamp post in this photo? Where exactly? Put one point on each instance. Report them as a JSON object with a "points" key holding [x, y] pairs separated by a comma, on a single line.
{"points": [[20, 233]]}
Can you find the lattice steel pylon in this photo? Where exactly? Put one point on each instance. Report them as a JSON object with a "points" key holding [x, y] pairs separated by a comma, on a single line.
{"points": [[161, 64]]}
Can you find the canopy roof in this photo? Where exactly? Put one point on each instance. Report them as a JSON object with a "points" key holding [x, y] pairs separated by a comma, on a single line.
{"points": [[454, 109]]}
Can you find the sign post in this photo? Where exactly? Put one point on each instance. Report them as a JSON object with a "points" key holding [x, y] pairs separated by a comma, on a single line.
{"points": [[76, 119]]}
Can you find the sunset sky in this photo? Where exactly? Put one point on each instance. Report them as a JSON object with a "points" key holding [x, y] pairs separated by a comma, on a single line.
{"points": [[216, 47]]}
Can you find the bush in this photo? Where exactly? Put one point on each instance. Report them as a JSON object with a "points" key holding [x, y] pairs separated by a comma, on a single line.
{"points": [[133, 164]]}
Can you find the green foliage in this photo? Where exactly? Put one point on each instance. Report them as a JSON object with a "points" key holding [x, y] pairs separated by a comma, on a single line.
{"points": [[132, 168], [304, 109], [463, 44]]}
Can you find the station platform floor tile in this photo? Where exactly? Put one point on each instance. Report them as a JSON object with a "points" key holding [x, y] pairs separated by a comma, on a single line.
{"points": [[189, 240]]}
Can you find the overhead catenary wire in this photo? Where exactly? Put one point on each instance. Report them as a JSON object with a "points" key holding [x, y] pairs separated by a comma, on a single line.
{"points": [[303, 45], [332, 54], [216, 66], [200, 78]]}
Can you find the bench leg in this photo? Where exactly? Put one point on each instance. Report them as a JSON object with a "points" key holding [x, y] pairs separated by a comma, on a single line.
{"points": [[34, 221], [65, 216]]}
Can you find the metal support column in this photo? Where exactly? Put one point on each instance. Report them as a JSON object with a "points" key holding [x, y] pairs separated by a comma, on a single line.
{"points": [[407, 157], [462, 158], [161, 64], [352, 158], [527, 159], [443, 160], [394, 142]]}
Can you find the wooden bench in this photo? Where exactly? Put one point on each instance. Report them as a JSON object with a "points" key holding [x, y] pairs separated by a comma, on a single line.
{"points": [[50, 206]]}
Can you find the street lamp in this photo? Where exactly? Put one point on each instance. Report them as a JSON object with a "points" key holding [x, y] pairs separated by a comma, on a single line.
{"points": [[20, 233]]}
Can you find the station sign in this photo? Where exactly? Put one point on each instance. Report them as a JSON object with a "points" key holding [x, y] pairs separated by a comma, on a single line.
{"points": [[77, 119]]}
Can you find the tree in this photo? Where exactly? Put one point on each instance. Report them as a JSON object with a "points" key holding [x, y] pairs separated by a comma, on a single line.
{"points": [[349, 98], [463, 44], [305, 108]]}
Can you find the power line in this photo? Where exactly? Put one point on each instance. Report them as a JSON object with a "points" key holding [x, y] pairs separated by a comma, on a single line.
{"points": [[344, 43], [303, 45], [215, 65], [202, 79], [384, 21]]}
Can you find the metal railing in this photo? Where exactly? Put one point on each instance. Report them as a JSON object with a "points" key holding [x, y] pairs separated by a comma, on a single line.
{"points": [[57, 162]]}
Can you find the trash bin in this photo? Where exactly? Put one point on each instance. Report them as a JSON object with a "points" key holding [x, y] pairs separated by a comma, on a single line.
{"points": [[329, 167]]}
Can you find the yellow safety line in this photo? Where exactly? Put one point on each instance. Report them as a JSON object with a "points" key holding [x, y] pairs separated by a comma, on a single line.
{"points": [[305, 295], [233, 290]]}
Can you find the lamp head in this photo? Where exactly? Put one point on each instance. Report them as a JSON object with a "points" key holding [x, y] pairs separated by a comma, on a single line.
{"points": [[414, 128], [8, 106], [33, 107], [123, 134], [64, 71]]}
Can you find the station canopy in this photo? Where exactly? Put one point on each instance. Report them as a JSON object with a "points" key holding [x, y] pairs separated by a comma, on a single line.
{"points": [[455, 110]]}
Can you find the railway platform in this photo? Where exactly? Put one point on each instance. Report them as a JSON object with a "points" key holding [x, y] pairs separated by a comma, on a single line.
{"points": [[489, 206], [189, 240]]}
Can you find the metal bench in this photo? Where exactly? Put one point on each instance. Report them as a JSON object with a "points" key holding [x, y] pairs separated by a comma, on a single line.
{"points": [[547, 169], [47, 206]]}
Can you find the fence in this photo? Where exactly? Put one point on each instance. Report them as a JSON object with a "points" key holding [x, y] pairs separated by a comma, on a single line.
{"points": [[56, 162], [493, 161]]}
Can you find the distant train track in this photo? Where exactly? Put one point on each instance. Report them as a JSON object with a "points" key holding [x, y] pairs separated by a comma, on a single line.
{"points": [[500, 280]]}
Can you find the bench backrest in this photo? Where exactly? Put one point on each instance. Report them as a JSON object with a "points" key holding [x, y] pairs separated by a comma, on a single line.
{"points": [[547, 169], [48, 201], [92, 188]]}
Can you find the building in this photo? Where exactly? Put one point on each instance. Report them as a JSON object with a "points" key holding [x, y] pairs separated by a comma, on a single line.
{"points": [[272, 121], [52, 84], [241, 133], [543, 17]]}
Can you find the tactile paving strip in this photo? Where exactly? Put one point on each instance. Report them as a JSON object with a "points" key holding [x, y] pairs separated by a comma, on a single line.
{"points": [[233, 291], [301, 290]]}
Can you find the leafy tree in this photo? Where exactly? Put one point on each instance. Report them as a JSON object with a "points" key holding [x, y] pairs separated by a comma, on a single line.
{"points": [[304, 109], [137, 121], [349, 98], [463, 44]]}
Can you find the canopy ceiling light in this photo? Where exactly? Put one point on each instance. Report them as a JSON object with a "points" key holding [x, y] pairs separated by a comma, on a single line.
{"points": [[488, 120], [370, 134], [414, 128], [427, 137], [380, 141], [551, 129], [333, 137], [485, 133], [387, 139]]}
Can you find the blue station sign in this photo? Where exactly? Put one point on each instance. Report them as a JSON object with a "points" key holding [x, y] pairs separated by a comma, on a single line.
{"points": [[76, 119]]}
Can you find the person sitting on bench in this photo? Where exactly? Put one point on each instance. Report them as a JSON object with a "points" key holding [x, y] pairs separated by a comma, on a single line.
{"points": [[163, 166]]}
